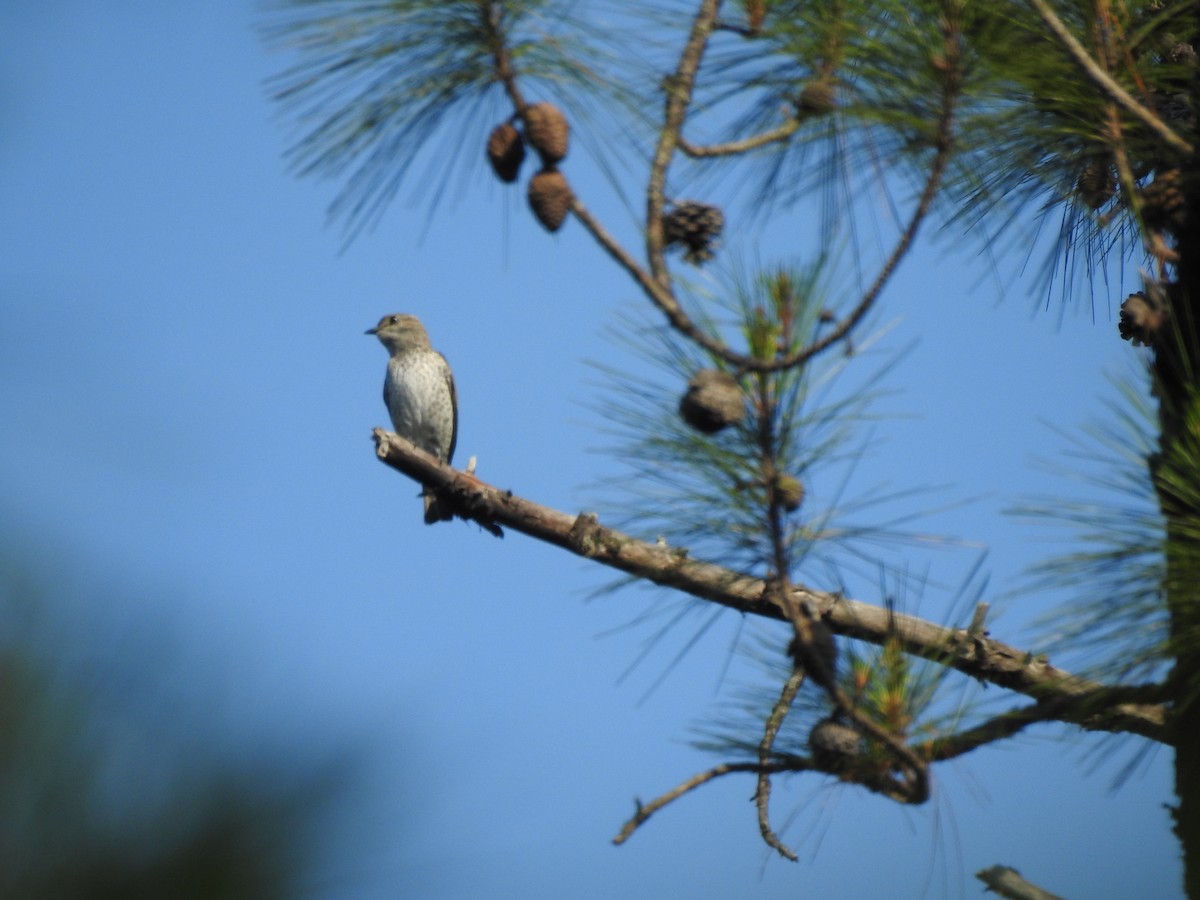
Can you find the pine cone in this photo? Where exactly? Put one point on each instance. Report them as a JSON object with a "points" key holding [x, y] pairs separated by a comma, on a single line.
{"points": [[817, 98], [696, 226], [1095, 185], [790, 492], [1163, 204], [550, 198], [713, 401], [547, 130], [834, 745], [505, 151], [1181, 54], [1141, 320]]}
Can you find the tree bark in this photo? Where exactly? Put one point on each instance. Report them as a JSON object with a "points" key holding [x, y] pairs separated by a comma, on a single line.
{"points": [[1178, 385]]}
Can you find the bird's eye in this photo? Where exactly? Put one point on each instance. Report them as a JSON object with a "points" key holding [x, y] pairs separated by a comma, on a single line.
{"points": [[395, 319]]}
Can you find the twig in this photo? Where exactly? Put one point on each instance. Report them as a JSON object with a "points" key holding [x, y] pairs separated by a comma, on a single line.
{"points": [[659, 294], [645, 811], [679, 88], [1000, 727], [732, 148], [658, 290], [739, 30], [679, 92], [807, 656], [492, 15], [657, 283], [762, 790], [1012, 722], [943, 144], [1104, 82]]}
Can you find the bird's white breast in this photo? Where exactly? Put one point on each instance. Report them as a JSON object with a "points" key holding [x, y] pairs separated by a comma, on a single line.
{"points": [[419, 402]]}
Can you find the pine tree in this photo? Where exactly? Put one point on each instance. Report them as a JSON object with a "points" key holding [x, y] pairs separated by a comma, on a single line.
{"points": [[977, 112]]}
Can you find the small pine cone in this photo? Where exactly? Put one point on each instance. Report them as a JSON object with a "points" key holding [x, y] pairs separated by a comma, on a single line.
{"points": [[1163, 205], [505, 151], [835, 746], [550, 198], [1095, 185], [547, 130], [1141, 320], [696, 226], [713, 401], [817, 98], [790, 492], [1181, 54]]}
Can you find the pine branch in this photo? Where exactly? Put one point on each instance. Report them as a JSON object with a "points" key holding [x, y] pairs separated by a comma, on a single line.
{"points": [[492, 18], [973, 654], [938, 750], [645, 811], [745, 145], [951, 85], [657, 284], [679, 88], [661, 296], [1009, 724], [1104, 82]]}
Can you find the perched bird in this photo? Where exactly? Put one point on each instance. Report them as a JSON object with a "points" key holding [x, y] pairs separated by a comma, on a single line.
{"points": [[419, 393]]}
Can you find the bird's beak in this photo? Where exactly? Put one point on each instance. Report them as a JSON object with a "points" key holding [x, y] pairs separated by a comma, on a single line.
{"points": [[371, 331]]}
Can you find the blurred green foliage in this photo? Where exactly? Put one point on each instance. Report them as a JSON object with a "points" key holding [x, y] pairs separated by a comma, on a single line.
{"points": [[106, 791]]}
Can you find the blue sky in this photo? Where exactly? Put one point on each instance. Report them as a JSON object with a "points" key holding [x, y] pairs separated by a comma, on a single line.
{"points": [[188, 398]]}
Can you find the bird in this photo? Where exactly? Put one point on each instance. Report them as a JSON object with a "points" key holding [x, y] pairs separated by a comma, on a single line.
{"points": [[420, 396]]}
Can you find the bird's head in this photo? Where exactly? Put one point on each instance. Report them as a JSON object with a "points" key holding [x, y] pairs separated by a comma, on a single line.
{"points": [[400, 332]]}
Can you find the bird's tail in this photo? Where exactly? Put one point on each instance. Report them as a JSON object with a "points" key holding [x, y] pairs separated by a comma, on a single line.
{"points": [[435, 511]]}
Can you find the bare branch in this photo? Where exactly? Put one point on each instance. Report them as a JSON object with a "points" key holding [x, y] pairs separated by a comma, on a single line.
{"points": [[1012, 722], [664, 299], [679, 91], [492, 14], [951, 84], [997, 728], [679, 96], [1104, 82], [937, 750], [645, 811], [660, 295], [739, 30], [846, 325], [1007, 882], [976, 655], [732, 148], [762, 791]]}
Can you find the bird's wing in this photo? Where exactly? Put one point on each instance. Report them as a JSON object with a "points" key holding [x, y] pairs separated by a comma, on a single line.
{"points": [[449, 376], [387, 395]]}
